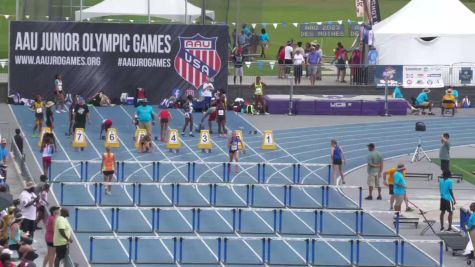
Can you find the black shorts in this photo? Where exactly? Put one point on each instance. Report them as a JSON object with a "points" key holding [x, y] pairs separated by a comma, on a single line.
{"points": [[48, 123], [391, 189], [280, 61], [288, 62], [233, 151], [108, 172], [444, 165], [446, 205], [163, 120], [221, 118], [79, 125], [50, 244], [337, 162]]}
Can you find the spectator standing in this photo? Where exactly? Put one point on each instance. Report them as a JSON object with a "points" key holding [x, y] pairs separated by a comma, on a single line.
{"points": [[145, 116], [471, 224], [49, 236], [18, 138], [397, 94], [313, 59], [281, 61], [108, 169], [254, 42], [444, 153], [164, 118], [42, 204], [319, 70], [3, 151], [258, 88], [356, 69], [28, 202], [337, 159], [305, 55], [422, 100], [60, 96], [288, 57], [399, 187], [238, 62], [62, 236], [447, 199], [298, 61], [375, 168], [264, 40], [38, 109], [243, 41], [389, 174], [340, 60]]}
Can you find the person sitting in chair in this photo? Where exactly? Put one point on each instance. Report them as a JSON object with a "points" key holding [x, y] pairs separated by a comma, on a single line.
{"points": [[397, 94], [448, 101], [423, 102]]}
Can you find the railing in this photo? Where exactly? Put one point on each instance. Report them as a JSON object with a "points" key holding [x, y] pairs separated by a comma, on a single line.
{"points": [[264, 248]]}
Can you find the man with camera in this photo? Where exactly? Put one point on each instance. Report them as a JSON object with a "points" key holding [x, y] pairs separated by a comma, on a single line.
{"points": [[28, 202]]}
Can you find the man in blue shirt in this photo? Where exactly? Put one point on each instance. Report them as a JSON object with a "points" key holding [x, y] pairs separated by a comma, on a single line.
{"points": [[423, 101], [313, 60], [399, 186], [447, 199], [397, 94], [145, 116]]}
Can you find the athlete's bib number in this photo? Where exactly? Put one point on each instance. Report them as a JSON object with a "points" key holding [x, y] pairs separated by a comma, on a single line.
{"points": [[234, 147], [221, 112], [39, 110]]}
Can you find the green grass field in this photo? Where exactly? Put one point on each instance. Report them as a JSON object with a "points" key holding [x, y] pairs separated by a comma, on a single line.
{"points": [[462, 166], [254, 11]]}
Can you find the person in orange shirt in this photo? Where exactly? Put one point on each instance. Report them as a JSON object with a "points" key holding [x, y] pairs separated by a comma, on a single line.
{"points": [[390, 184], [108, 169]]}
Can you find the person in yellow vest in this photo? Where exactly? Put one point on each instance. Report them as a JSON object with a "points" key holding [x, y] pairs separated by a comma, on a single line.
{"points": [[38, 108], [390, 184], [258, 88], [108, 169]]}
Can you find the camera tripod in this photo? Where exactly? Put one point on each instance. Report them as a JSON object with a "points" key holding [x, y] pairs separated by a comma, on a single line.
{"points": [[419, 153]]}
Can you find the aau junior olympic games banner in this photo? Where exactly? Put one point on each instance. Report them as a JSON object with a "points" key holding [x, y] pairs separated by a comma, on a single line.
{"points": [[423, 77], [115, 58]]}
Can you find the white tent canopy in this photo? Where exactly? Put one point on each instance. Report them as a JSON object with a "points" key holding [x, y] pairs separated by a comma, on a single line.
{"points": [[427, 32], [175, 10]]}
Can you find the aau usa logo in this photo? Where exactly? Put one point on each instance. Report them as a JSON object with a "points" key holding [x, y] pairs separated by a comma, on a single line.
{"points": [[197, 59]]}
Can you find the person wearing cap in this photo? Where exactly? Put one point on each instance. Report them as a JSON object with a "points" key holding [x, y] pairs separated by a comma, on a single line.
{"points": [[389, 174], [145, 116], [38, 109], [49, 115], [444, 152], [448, 101], [3, 150], [28, 201], [400, 186], [375, 168], [105, 125], [49, 234], [423, 101], [62, 236], [447, 200], [471, 224]]}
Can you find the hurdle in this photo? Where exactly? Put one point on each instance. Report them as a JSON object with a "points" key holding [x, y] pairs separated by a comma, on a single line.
{"points": [[222, 248], [287, 196], [192, 175]]}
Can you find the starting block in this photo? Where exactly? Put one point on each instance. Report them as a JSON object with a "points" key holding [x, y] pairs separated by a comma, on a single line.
{"points": [[139, 134], [205, 141], [173, 142], [79, 140], [42, 134], [268, 142], [112, 138]]}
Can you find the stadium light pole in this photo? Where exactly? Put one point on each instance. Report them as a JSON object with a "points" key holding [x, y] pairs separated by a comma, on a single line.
{"points": [[17, 11], [148, 11]]}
